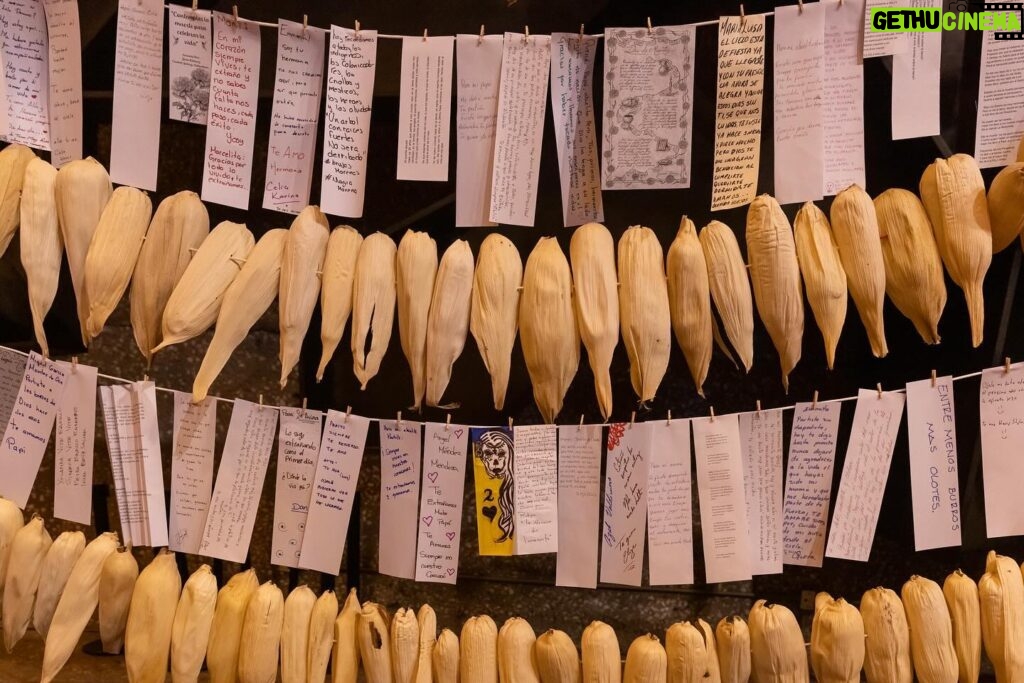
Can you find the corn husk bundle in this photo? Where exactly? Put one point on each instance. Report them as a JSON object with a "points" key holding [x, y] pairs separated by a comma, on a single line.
{"points": [[321, 635], [823, 274], [592, 254], [147, 638], [494, 313], [301, 266], [42, 246], [179, 226], [478, 645], [1001, 598], [193, 620], [427, 621], [516, 664], [446, 658], [298, 608], [336, 290], [646, 661], [77, 603], [82, 190], [1005, 201], [374, 643], [953, 193], [691, 651], [57, 565], [28, 550], [245, 301], [416, 270], [931, 631], [261, 636], [837, 641], [961, 594], [913, 269], [14, 159], [448, 323], [113, 250], [599, 648], [689, 297], [732, 640], [405, 646], [730, 288], [887, 645], [547, 324], [11, 521], [345, 653], [117, 584], [373, 304], [557, 659], [228, 621], [644, 310], [776, 645]]}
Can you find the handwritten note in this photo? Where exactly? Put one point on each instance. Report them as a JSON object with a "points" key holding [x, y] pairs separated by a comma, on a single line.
{"points": [[190, 44], [915, 82], [24, 45], [738, 111], [65, 80], [934, 482], [1000, 123], [5, 121], [425, 108], [843, 102], [625, 503], [400, 454], [761, 447], [138, 87], [74, 442], [536, 489], [475, 125], [330, 505], [1002, 432], [353, 63], [28, 430], [882, 43], [12, 370], [669, 505], [522, 102], [812, 456], [236, 495], [579, 505], [865, 471], [799, 68], [572, 106], [298, 446], [440, 523], [195, 433], [231, 124]]}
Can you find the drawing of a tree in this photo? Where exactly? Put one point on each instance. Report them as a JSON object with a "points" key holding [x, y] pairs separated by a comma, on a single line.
{"points": [[191, 95]]}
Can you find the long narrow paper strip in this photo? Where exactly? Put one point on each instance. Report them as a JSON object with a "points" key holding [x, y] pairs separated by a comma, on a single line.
{"points": [[494, 467], [536, 495], [579, 505], [23, 42], [74, 444], [189, 51], [65, 80], [479, 73], [116, 471], [915, 82], [843, 103], [625, 503], [12, 370], [669, 506], [761, 446], [440, 523], [298, 447], [193, 445], [1002, 432], [400, 455], [425, 108]]}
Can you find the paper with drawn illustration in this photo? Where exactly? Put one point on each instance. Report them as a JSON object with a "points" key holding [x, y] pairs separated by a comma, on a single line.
{"points": [[298, 445], [625, 503], [189, 51], [1002, 432], [194, 438], [440, 524], [494, 481]]}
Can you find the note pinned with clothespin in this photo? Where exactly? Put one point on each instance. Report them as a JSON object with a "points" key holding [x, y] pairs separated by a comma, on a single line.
{"points": [[298, 448], [400, 459]]}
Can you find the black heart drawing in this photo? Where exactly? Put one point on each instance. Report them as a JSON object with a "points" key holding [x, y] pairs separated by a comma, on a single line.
{"points": [[490, 512]]}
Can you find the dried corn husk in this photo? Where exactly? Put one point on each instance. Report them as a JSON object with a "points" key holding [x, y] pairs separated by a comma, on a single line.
{"points": [[295, 634], [596, 295], [837, 641], [41, 243], [494, 313], [551, 342], [913, 270], [931, 631], [117, 584], [646, 661], [416, 270], [1006, 206], [245, 301], [1001, 598], [147, 638], [336, 290], [179, 226], [60, 560], [644, 310], [113, 250], [374, 643], [887, 645], [228, 620], [953, 193], [261, 636], [691, 652], [373, 304], [301, 267], [776, 645], [689, 297], [599, 647], [822, 273], [557, 659], [28, 550], [446, 658], [730, 288], [448, 323], [193, 619], [345, 653], [427, 622], [405, 646], [321, 636], [732, 641], [11, 520], [478, 657], [961, 594], [515, 652], [13, 161]]}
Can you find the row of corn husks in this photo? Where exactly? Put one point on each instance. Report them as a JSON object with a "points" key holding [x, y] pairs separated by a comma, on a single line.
{"points": [[185, 278]]}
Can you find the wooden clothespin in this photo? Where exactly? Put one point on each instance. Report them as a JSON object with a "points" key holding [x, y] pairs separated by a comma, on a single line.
{"points": [[743, 16], [840, 3], [398, 419], [357, 28], [879, 387], [580, 428], [933, 379], [510, 424], [581, 34], [526, 35], [74, 364], [304, 401], [480, 40], [814, 401], [712, 408], [448, 422], [424, 35], [145, 377], [650, 29], [305, 24], [800, 3], [261, 401], [195, 6], [759, 405], [668, 420], [1006, 362], [234, 14], [632, 418], [348, 412]]}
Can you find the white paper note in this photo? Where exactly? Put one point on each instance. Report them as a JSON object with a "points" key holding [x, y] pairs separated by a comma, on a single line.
{"points": [[298, 447], [440, 522], [236, 495], [843, 103], [522, 102], [915, 82], [12, 369], [425, 108], [812, 457], [334, 488], [572, 108], [28, 430], [625, 503], [1000, 122], [865, 471], [231, 124], [353, 63], [294, 118], [193, 444], [1002, 432], [934, 483], [669, 505], [74, 442], [65, 80], [116, 473], [579, 505], [799, 69], [189, 50], [882, 43], [400, 455], [536, 490], [738, 111], [138, 88], [761, 446], [24, 43], [479, 73], [139, 434], [5, 121]]}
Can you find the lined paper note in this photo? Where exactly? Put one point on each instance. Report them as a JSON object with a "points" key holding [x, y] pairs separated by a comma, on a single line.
{"points": [[353, 63], [479, 75], [236, 495], [193, 444], [738, 111], [579, 505], [1002, 432], [74, 443], [915, 82], [625, 503], [400, 454], [440, 522], [1000, 122], [522, 102], [24, 44], [572, 107], [934, 482], [298, 446], [138, 76], [425, 109], [882, 43], [231, 125], [189, 50], [64, 80], [843, 102], [865, 471], [294, 117], [12, 370], [669, 505], [761, 447], [812, 456], [536, 491]]}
